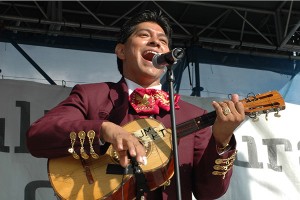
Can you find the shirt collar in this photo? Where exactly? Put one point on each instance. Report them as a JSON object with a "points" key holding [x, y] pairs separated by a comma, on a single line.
{"points": [[132, 86]]}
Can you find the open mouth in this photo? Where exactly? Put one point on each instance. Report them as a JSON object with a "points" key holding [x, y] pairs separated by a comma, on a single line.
{"points": [[148, 55]]}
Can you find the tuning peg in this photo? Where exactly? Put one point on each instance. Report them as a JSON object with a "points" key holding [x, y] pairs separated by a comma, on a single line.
{"points": [[255, 119], [277, 114], [254, 116], [266, 116]]}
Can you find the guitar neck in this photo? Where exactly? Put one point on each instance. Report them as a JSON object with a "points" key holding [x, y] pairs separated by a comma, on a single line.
{"points": [[254, 105], [196, 124]]}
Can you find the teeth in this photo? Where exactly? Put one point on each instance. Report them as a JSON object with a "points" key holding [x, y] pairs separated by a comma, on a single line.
{"points": [[148, 55], [153, 52]]}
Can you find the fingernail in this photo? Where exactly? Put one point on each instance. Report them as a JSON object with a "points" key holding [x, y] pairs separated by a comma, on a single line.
{"points": [[144, 160]]}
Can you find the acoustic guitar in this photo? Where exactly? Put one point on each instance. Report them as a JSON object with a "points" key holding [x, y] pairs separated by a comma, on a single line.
{"points": [[91, 179]]}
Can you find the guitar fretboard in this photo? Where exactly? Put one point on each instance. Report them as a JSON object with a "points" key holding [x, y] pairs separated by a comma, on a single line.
{"points": [[195, 124]]}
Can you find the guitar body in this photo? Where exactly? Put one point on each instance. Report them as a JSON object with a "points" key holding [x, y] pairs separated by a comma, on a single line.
{"points": [[87, 179]]}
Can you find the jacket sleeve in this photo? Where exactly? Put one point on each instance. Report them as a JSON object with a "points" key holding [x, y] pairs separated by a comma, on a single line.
{"points": [[212, 171], [49, 136]]}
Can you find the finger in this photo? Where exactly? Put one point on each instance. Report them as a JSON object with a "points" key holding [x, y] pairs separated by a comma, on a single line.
{"points": [[131, 144], [240, 108], [235, 105], [217, 106], [123, 158], [232, 107], [225, 105], [221, 108], [141, 154], [119, 144], [234, 98], [138, 151]]}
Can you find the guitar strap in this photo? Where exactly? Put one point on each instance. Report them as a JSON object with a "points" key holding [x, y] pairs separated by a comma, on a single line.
{"points": [[136, 170]]}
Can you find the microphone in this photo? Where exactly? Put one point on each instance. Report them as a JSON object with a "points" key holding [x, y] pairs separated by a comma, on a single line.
{"points": [[161, 60]]}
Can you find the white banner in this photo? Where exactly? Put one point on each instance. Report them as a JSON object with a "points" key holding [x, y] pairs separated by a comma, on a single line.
{"points": [[268, 151], [268, 165], [23, 176]]}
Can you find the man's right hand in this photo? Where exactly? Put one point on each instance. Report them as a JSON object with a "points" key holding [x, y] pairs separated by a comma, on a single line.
{"points": [[123, 142]]}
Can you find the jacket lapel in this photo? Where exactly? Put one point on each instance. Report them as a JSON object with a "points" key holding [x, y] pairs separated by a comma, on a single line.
{"points": [[119, 98]]}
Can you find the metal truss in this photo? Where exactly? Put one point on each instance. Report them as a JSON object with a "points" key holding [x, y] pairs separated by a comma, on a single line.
{"points": [[269, 28]]}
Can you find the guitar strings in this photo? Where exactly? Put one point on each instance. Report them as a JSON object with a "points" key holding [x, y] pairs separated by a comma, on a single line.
{"points": [[164, 171], [122, 182]]}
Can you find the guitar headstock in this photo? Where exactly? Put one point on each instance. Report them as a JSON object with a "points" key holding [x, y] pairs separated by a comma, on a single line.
{"points": [[263, 103]]}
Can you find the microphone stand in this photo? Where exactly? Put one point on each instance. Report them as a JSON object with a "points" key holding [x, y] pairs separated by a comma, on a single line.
{"points": [[170, 78]]}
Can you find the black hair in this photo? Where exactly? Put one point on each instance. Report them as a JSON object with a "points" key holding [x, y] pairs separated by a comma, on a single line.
{"points": [[146, 16]]}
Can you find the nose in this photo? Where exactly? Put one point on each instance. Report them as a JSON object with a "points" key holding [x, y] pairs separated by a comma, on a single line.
{"points": [[154, 41]]}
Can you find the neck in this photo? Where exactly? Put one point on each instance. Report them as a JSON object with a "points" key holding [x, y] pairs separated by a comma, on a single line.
{"points": [[143, 84], [132, 86]]}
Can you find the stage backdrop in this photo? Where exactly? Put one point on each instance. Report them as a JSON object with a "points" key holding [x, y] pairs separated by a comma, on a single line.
{"points": [[268, 151]]}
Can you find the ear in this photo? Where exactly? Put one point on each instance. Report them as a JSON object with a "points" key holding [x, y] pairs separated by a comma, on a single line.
{"points": [[119, 50]]}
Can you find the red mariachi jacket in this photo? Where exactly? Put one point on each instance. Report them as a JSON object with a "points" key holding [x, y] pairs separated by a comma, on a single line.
{"points": [[89, 105]]}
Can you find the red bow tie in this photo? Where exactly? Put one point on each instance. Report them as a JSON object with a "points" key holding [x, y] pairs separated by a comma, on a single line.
{"points": [[148, 101]]}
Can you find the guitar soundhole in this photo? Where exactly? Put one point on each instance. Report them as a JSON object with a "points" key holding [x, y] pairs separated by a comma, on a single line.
{"points": [[115, 157]]}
